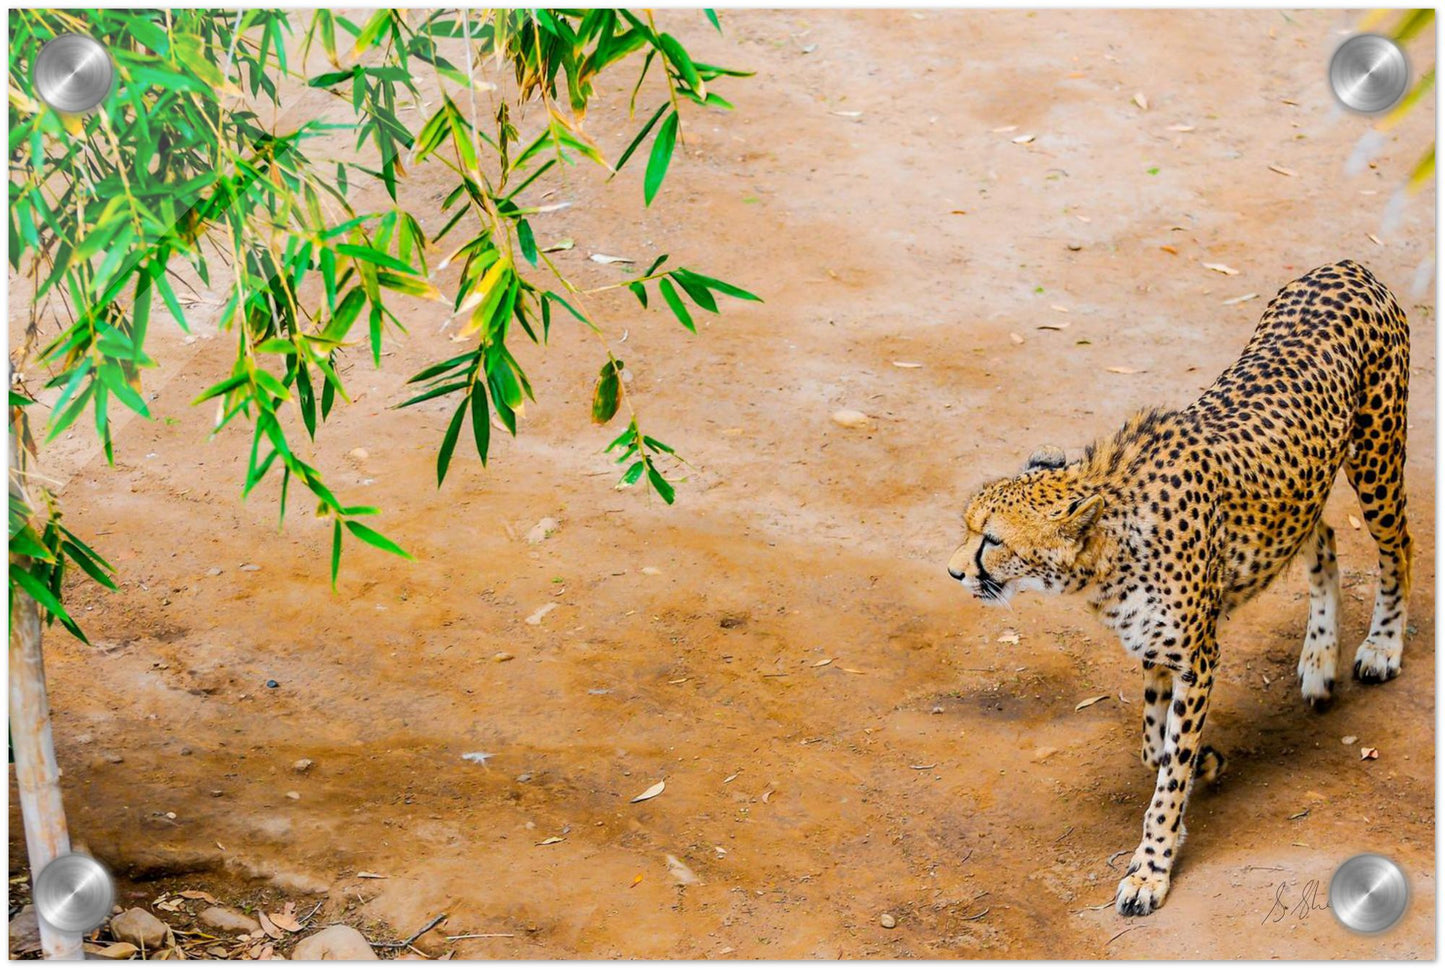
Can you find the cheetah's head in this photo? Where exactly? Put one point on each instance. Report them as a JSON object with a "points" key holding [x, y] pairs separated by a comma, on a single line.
{"points": [[1025, 532]]}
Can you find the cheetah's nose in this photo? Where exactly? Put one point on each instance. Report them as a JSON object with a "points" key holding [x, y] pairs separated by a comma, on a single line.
{"points": [[955, 573]]}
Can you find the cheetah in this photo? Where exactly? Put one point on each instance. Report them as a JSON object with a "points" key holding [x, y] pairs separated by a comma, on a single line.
{"points": [[1183, 515]]}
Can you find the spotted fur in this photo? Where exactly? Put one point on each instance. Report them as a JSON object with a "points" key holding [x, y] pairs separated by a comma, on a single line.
{"points": [[1182, 515]]}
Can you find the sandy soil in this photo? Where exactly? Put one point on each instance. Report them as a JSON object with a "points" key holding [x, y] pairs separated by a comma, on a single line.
{"points": [[865, 188]]}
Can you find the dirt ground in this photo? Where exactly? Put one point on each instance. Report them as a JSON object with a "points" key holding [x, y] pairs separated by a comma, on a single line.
{"points": [[842, 733]]}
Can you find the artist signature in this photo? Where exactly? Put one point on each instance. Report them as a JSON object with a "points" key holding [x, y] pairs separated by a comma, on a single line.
{"points": [[1308, 901]]}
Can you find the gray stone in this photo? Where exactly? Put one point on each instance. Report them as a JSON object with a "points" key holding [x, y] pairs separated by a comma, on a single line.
{"points": [[25, 932], [334, 943], [229, 920], [139, 927]]}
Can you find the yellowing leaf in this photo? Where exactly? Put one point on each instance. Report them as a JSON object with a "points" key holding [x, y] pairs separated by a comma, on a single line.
{"points": [[1221, 268], [1090, 702]]}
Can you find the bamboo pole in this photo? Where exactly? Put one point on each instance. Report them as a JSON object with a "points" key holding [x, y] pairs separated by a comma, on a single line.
{"points": [[37, 775]]}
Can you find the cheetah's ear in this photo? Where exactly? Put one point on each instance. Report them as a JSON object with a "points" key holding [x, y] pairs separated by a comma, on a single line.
{"points": [[1080, 514], [1048, 456]]}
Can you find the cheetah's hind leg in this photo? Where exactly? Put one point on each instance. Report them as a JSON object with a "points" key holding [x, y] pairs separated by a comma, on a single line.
{"points": [[1322, 637], [1375, 468]]}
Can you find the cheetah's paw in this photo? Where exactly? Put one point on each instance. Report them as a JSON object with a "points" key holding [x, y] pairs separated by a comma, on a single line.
{"points": [[1376, 663], [1141, 892]]}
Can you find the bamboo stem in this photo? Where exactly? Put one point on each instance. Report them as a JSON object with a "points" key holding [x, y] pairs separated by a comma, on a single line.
{"points": [[37, 775]]}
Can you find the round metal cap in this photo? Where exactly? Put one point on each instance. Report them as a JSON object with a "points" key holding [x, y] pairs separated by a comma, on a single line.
{"points": [[74, 893], [1368, 893], [1368, 73], [73, 73]]}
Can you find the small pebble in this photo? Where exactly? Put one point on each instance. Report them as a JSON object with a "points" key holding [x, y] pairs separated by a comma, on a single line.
{"points": [[1074, 247], [185, 752], [360, 454], [850, 419], [542, 530], [887, 921], [295, 796], [524, 777], [272, 684], [250, 568], [214, 571], [302, 766], [502, 657]]}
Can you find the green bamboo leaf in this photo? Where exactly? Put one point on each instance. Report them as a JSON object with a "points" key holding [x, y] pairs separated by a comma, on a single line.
{"points": [[449, 443], [481, 423], [712, 18], [42, 595], [26, 543], [527, 241], [661, 156], [663, 486], [633, 473], [335, 551], [371, 537], [722, 287], [374, 256], [641, 135], [683, 62], [669, 293], [92, 569], [695, 290]]}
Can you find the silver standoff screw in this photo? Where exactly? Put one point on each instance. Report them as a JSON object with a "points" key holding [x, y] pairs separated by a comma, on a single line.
{"points": [[1368, 893], [73, 73], [74, 893], [1369, 73]]}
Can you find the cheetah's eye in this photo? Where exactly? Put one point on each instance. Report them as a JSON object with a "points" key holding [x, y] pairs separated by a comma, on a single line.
{"points": [[989, 540]]}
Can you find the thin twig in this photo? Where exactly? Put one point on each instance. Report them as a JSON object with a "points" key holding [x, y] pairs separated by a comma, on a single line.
{"points": [[1065, 835], [1110, 861], [404, 944], [479, 936], [970, 919], [1121, 933]]}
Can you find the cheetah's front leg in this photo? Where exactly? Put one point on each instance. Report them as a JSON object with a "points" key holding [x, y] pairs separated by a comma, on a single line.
{"points": [[1158, 693], [1143, 890]]}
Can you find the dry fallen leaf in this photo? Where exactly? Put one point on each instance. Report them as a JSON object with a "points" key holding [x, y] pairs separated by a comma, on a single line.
{"points": [[1170, 250], [1369, 754], [1141, 101], [1239, 299], [560, 246], [652, 792], [1181, 127], [1053, 326], [1043, 754], [552, 840], [636, 880], [1298, 815], [369, 875], [1023, 139], [197, 894], [823, 663], [1348, 739], [852, 670], [1221, 268], [1373, 238], [1058, 308], [1122, 370], [1005, 129], [116, 951], [767, 795], [906, 364], [1009, 637], [1016, 338], [285, 921], [604, 258], [267, 926], [1281, 170], [1090, 701]]}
